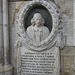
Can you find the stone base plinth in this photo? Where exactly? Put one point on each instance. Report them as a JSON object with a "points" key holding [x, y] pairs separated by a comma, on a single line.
{"points": [[6, 70], [2, 70]]}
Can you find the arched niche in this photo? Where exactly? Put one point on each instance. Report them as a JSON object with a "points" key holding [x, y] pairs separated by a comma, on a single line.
{"points": [[37, 8]]}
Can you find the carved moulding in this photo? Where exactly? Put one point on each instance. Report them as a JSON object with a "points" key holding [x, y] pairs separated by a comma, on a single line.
{"points": [[55, 37]]}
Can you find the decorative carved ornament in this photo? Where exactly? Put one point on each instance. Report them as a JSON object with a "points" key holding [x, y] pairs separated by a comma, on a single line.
{"points": [[55, 37]]}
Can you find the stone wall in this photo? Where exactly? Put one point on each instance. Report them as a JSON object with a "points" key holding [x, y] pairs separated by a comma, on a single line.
{"points": [[66, 8], [68, 61]]}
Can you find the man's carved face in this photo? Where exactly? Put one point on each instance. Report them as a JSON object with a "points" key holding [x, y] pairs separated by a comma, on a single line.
{"points": [[37, 19]]}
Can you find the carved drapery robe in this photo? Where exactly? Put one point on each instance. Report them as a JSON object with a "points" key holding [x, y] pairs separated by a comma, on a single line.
{"points": [[38, 34]]}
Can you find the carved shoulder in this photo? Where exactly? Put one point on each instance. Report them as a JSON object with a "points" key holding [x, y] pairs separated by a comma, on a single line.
{"points": [[46, 29], [29, 28]]}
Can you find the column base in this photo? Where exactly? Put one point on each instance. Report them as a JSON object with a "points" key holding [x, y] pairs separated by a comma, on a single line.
{"points": [[2, 70], [6, 70]]}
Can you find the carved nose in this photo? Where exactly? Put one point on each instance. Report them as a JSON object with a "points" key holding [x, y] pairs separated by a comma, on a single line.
{"points": [[38, 21]]}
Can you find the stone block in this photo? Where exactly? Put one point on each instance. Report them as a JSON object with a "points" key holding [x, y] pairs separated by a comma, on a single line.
{"points": [[62, 62], [1, 19], [64, 72], [68, 51], [1, 34], [68, 62], [67, 10], [72, 72]]}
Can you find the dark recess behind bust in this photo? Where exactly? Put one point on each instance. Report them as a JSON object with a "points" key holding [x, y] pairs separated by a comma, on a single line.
{"points": [[44, 12]]}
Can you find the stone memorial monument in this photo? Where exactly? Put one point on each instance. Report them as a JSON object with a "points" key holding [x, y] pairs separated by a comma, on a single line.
{"points": [[38, 46], [37, 37], [37, 31]]}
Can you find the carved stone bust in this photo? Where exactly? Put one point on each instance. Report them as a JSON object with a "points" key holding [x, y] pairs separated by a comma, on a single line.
{"points": [[37, 31]]}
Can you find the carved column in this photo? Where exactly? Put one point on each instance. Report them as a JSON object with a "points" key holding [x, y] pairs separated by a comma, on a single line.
{"points": [[6, 32], [1, 40], [1, 35], [7, 67], [74, 23]]}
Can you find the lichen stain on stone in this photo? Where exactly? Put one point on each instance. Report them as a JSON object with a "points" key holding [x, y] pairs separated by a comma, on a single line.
{"points": [[17, 10], [16, 59], [58, 6], [53, 1], [66, 73], [66, 66], [68, 13]]}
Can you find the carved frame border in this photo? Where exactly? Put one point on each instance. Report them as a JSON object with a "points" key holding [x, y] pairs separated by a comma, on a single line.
{"points": [[52, 38]]}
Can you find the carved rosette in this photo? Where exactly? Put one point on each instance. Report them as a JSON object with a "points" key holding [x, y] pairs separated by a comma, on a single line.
{"points": [[52, 39]]}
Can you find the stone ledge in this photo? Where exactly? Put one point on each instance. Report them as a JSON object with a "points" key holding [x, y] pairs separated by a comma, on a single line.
{"points": [[5, 68], [1, 69], [8, 68]]}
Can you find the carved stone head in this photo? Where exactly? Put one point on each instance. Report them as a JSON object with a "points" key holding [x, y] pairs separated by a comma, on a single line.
{"points": [[37, 20]]}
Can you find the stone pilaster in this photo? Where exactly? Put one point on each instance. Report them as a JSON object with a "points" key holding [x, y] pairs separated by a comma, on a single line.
{"points": [[1, 35], [6, 32], [1, 41], [74, 22], [7, 66]]}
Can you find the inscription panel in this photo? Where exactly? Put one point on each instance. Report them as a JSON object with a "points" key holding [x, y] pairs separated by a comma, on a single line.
{"points": [[39, 63]]}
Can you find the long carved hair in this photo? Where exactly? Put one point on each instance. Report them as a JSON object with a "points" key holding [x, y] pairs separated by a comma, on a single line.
{"points": [[33, 21]]}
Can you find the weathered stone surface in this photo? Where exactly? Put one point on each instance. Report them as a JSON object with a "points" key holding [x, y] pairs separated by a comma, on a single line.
{"points": [[68, 51], [68, 60], [67, 10], [18, 0], [72, 72], [67, 18], [5, 68], [13, 10], [32, 62], [1, 34], [30, 43]]}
